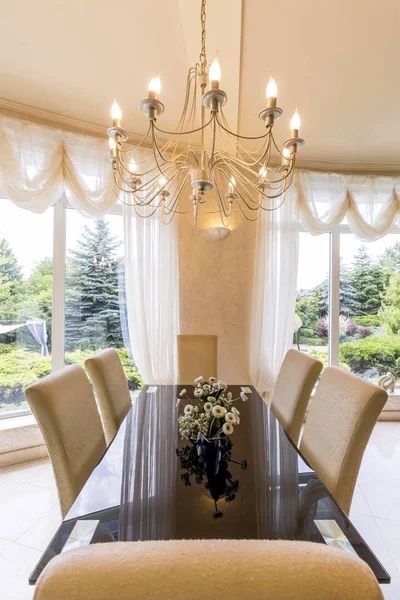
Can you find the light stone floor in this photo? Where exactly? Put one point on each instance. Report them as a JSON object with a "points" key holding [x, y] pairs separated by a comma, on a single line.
{"points": [[29, 513]]}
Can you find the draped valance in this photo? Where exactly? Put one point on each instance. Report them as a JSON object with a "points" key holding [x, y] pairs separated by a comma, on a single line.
{"points": [[38, 164]]}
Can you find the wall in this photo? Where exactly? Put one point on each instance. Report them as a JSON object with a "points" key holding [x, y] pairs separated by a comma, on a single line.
{"points": [[215, 288]]}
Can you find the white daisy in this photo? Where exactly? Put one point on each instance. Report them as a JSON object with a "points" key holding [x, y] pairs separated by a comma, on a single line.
{"points": [[198, 393], [230, 417], [237, 420], [199, 379], [243, 396], [212, 380], [218, 411], [222, 384], [208, 407], [182, 393], [189, 409], [227, 428], [235, 410], [211, 399], [207, 388], [229, 395]]}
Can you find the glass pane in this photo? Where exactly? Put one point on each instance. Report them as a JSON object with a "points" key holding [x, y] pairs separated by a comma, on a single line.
{"points": [[95, 308], [313, 295], [26, 264], [370, 306]]}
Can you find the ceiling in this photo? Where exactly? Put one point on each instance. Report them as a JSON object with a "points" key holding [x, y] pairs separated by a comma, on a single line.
{"points": [[337, 61]]}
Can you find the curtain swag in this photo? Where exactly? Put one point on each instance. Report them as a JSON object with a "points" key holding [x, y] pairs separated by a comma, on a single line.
{"points": [[39, 164]]}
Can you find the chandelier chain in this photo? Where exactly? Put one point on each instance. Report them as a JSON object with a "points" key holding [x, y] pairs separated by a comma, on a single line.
{"points": [[203, 55]]}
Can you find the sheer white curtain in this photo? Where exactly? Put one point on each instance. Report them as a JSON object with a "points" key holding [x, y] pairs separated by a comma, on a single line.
{"points": [[274, 293], [317, 202], [370, 203], [152, 294], [39, 164]]}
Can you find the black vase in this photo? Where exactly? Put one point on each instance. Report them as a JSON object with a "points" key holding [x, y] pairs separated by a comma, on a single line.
{"points": [[209, 453]]}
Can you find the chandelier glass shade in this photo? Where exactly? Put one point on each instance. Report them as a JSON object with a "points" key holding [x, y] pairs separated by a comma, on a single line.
{"points": [[203, 159]]}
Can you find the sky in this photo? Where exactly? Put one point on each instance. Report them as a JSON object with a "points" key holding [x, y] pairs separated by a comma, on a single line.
{"points": [[314, 255], [30, 234]]}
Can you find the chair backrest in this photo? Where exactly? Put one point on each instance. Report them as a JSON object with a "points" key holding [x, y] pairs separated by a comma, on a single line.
{"points": [[197, 355], [66, 411], [212, 569], [340, 420], [108, 377], [296, 380]]}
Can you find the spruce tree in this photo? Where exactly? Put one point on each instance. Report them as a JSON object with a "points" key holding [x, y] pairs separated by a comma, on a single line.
{"points": [[92, 312], [10, 280], [389, 314], [347, 293], [368, 282]]}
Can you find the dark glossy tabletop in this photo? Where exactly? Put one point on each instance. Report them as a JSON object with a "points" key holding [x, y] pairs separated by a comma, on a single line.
{"points": [[136, 492]]}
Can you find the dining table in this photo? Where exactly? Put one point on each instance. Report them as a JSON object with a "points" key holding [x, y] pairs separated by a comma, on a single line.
{"points": [[142, 489]]}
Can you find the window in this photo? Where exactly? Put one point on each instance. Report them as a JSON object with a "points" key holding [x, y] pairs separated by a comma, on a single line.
{"points": [[26, 249], [348, 299], [76, 300], [313, 295], [95, 308], [369, 322]]}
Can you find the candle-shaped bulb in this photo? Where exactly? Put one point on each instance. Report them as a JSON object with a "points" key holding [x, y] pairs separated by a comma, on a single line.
{"points": [[116, 113], [162, 181], [155, 85], [132, 166], [215, 70], [295, 121], [111, 143], [286, 153], [271, 90], [231, 184], [262, 172]]}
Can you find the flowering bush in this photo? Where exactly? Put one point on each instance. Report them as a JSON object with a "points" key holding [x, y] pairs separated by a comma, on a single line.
{"points": [[351, 327], [321, 327], [213, 416], [364, 331]]}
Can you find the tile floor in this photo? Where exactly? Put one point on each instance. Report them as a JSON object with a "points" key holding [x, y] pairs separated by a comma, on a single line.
{"points": [[29, 513]]}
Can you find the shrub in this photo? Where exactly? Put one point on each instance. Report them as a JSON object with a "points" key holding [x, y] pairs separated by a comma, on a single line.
{"points": [[364, 331], [305, 332], [322, 327], [367, 320], [314, 341], [351, 327], [20, 367], [378, 353]]}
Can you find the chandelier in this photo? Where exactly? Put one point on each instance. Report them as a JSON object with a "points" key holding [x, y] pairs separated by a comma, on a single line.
{"points": [[203, 152]]}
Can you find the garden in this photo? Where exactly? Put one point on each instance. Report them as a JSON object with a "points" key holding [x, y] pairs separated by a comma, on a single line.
{"points": [[369, 322], [94, 309]]}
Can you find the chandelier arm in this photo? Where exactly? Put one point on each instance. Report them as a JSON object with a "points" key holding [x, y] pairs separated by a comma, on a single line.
{"points": [[237, 146], [155, 189], [245, 137], [222, 210], [184, 132], [170, 161], [132, 148], [240, 194]]}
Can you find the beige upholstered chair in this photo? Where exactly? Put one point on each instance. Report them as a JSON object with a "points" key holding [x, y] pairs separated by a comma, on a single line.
{"points": [[212, 569], [197, 355], [66, 411], [340, 420], [108, 377], [296, 380]]}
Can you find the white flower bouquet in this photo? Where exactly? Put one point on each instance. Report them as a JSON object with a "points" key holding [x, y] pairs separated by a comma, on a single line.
{"points": [[211, 414]]}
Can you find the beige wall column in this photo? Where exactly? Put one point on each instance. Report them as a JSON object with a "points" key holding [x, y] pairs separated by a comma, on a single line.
{"points": [[215, 289]]}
